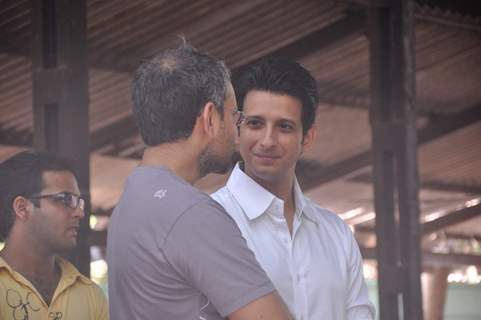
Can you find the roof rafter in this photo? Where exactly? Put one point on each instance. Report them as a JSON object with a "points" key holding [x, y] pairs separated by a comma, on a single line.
{"points": [[437, 127], [351, 24], [434, 259], [448, 220], [432, 184], [452, 218]]}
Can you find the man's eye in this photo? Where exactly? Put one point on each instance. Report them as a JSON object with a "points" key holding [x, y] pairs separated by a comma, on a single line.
{"points": [[253, 123], [68, 197], [59, 197], [286, 127]]}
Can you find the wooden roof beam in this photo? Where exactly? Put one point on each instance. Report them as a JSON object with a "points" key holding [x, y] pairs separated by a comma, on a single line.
{"points": [[353, 23], [437, 127], [448, 220], [434, 259], [432, 184], [451, 219]]}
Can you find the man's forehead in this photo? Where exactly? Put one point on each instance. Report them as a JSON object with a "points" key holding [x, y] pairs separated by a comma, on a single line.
{"points": [[230, 95], [59, 180], [229, 91], [268, 104]]}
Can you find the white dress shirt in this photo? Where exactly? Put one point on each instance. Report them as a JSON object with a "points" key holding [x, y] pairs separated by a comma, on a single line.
{"points": [[317, 272]]}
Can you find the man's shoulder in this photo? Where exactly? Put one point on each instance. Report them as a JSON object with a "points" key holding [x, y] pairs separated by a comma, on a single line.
{"points": [[323, 215], [89, 297], [332, 227], [79, 284], [161, 179], [71, 274], [4, 265], [7, 276], [154, 181], [154, 189], [87, 286], [203, 207]]}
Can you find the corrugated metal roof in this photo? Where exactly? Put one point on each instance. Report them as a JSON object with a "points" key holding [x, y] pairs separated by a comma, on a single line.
{"points": [[455, 158]]}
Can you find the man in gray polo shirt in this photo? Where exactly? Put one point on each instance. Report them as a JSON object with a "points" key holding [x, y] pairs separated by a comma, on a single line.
{"points": [[173, 252]]}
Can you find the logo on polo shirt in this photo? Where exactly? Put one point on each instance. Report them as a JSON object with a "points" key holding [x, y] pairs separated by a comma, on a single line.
{"points": [[160, 193]]}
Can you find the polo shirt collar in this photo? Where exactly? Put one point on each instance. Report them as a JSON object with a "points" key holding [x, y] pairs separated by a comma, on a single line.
{"points": [[4, 265], [69, 275], [69, 272]]}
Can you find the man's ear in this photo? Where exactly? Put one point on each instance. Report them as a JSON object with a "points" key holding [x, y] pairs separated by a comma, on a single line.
{"points": [[22, 208], [209, 119], [309, 138]]}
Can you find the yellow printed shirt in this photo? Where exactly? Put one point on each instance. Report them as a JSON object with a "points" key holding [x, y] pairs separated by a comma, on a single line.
{"points": [[76, 297]]}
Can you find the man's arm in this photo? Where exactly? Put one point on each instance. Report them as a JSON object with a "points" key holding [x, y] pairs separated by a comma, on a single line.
{"points": [[358, 304], [268, 307], [207, 248]]}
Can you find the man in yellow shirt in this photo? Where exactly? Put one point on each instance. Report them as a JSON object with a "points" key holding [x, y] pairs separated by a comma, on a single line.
{"points": [[40, 211]]}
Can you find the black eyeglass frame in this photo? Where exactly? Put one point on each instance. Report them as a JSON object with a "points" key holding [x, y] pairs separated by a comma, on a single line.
{"points": [[68, 199], [241, 116]]}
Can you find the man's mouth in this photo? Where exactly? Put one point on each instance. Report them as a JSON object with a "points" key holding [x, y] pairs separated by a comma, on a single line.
{"points": [[73, 230], [265, 159], [266, 156]]}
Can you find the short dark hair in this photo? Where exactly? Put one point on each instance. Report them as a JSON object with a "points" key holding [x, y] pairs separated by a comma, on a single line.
{"points": [[170, 90], [21, 175], [280, 76]]}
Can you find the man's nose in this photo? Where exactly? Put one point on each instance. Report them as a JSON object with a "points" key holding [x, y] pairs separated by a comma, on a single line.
{"points": [[269, 138], [79, 213]]}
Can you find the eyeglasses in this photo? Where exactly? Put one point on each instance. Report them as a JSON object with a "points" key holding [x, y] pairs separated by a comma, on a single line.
{"points": [[68, 199], [239, 117]]}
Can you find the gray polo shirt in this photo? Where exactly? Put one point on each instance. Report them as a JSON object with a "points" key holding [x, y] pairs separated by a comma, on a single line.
{"points": [[174, 253]]}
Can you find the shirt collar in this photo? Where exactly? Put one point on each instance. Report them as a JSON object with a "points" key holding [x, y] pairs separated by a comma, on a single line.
{"points": [[256, 200], [68, 270], [302, 207], [251, 196], [4, 265], [299, 201]]}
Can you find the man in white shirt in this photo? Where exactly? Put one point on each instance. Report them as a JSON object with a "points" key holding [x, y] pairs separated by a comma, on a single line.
{"points": [[309, 253]]}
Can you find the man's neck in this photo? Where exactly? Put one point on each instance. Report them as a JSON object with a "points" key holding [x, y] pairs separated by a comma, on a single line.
{"points": [[35, 265], [28, 260], [283, 188], [179, 157]]}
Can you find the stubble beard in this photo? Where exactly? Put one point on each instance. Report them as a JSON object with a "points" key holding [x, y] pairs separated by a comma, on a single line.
{"points": [[211, 161]]}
